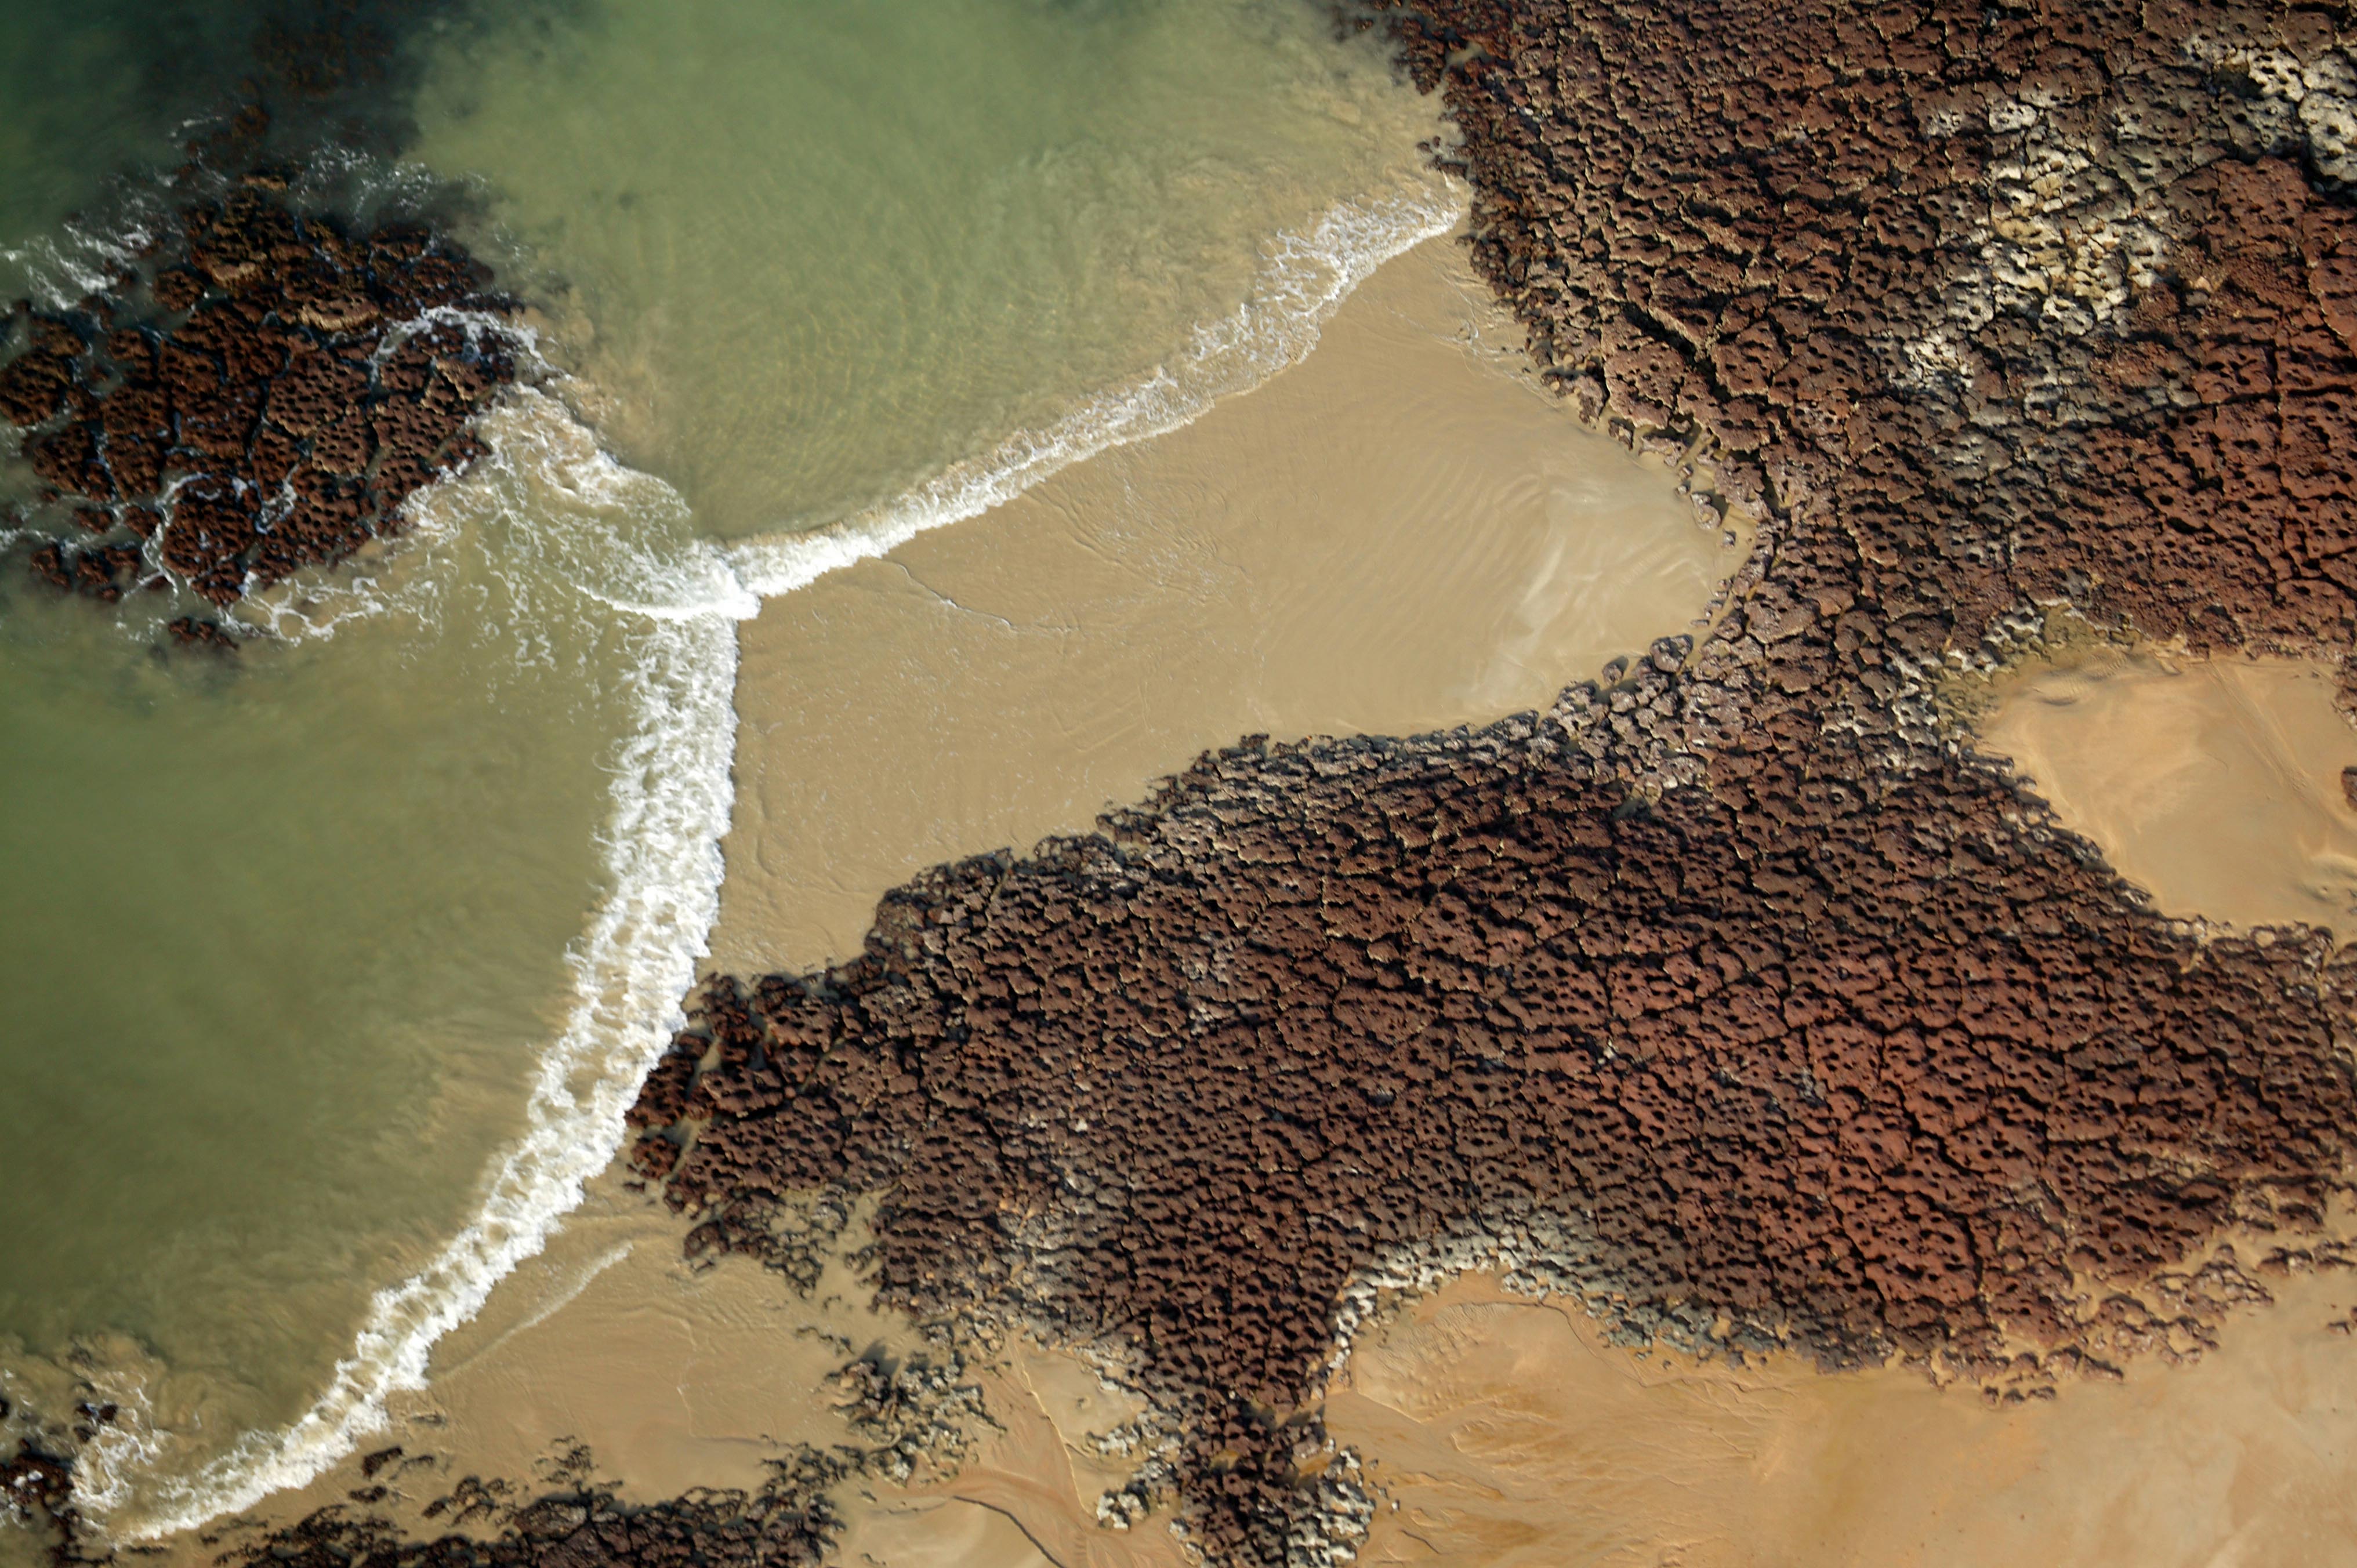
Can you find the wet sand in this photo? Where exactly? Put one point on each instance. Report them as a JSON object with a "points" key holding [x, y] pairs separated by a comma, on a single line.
{"points": [[2214, 784], [1399, 534], [1509, 1433], [675, 1378]]}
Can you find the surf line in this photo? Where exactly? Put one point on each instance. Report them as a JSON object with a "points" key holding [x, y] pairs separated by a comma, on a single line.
{"points": [[671, 802]]}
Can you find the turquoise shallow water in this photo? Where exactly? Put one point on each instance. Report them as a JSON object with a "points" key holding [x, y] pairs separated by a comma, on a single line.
{"points": [[330, 970]]}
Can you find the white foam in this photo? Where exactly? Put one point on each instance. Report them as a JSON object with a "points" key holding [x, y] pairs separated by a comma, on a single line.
{"points": [[673, 792], [1307, 278], [60, 271]]}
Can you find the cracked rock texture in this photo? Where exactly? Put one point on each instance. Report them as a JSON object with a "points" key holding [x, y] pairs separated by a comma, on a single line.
{"points": [[257, 398], [1781, 1016], [786, 1523]]}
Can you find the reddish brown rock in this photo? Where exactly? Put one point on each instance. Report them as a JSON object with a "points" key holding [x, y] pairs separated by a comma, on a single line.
{"points": [[245, 429]]}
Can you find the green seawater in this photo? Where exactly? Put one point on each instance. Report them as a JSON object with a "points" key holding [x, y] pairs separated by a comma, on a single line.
{"points": [[275, 927], [812, 253], [328, 969]]}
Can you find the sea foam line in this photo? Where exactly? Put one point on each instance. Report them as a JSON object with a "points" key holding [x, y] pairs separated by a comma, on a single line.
{"points": [[631, 969], [671, 805], [1308, 276]]}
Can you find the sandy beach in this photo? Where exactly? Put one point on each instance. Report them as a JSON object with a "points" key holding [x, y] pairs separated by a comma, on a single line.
{"points": [[2214, 784], [592, 577], [1506, 1432]]}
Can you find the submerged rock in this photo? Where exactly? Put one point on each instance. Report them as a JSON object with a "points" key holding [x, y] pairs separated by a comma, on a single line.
{"points": [[260, 399]]}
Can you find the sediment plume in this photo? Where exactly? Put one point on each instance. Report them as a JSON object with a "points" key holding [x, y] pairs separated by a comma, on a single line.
{"points": [[256, 399], [1737, 993]]}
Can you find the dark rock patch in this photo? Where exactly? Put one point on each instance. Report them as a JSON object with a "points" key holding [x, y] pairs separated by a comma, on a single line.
{"points": [[258, 401], [786, 1523], [37, 1494]]}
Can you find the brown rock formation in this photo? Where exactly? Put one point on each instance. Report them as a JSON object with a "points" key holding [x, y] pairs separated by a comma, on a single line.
{"points": [[1734, 983], [786, 1524], [261, 405], [37, 1493]]}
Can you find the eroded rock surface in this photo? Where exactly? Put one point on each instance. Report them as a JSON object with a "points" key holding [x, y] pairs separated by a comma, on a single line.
{"points": [[1735, 993], [256, 400], [786, 1523]]}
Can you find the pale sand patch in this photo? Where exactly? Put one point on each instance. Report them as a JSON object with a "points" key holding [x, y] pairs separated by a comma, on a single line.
{"points": [[1511, 1435], [2214, 784], [1399, 534]]}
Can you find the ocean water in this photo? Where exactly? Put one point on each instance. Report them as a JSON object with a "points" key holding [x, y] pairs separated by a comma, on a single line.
{"points": [[331, 967]]}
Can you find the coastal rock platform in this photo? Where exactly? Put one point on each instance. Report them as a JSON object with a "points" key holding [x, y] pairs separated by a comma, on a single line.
{"points": [[256, 399], [1740, 994]]}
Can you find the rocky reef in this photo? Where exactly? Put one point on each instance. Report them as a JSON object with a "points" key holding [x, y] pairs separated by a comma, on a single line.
{"points": [[257, 398], [785, 1523], [1735, 993], [37, 1494]]}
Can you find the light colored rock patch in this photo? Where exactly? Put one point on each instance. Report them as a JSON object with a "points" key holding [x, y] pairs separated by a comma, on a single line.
{"points": [[2302, 107], [2067, 241]]}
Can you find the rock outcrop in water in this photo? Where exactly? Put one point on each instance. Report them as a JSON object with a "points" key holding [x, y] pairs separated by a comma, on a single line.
{"points": [[1735, 993], [37, 1494], [257, 400]]}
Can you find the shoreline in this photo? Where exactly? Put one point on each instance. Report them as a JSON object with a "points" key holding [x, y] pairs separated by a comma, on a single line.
{"points": [[1907, 1020], [1827, 988], [1422, 328], [546, 444]]}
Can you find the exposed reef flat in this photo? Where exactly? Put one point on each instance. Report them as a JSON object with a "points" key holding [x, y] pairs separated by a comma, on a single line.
{"points": [[258, 397], [1736, 995]]}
